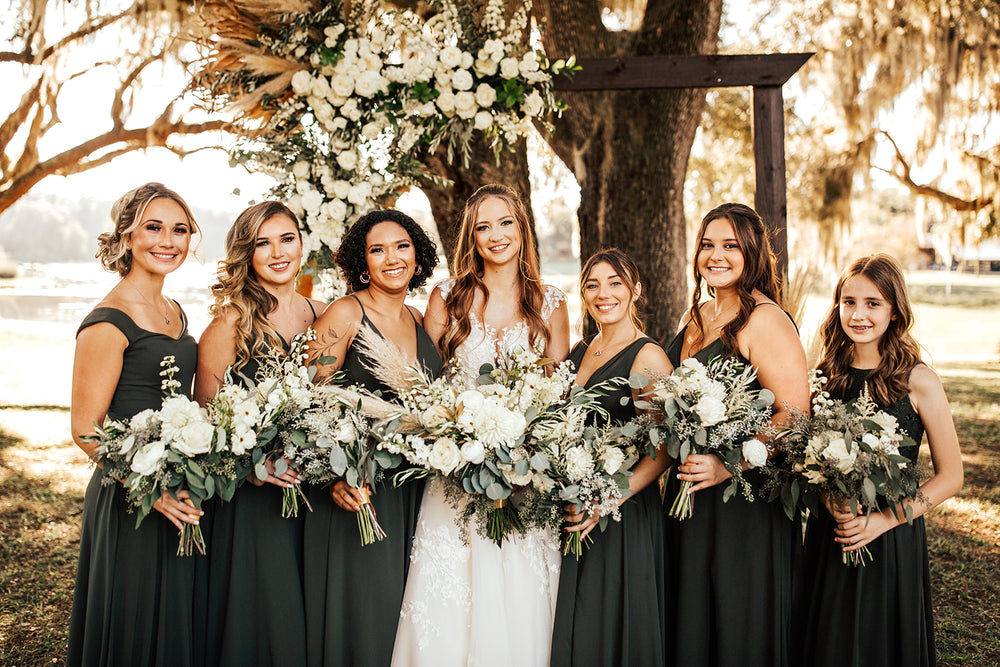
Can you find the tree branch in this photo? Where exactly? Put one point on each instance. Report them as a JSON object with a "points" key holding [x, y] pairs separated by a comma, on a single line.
{"points": [[954, 202]]}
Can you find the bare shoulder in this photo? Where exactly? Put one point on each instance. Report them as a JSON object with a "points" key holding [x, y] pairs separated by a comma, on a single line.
{"points": [[342, 310], [925, 386], [101, 336], [318, 306], [652, 356], [416, 314], [768, 319]]}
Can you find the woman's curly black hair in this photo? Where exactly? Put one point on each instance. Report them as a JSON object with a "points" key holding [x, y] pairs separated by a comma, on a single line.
{"points": [[352, 257]]}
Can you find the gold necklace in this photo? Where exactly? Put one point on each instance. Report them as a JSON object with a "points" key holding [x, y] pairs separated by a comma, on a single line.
{"points": [[597, 353], [163, 315]]}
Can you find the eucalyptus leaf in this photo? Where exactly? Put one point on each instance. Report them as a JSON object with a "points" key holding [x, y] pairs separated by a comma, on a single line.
{"points": [[352, 477], [261, 471], [280, 467], [495, 491], [338, 460]]}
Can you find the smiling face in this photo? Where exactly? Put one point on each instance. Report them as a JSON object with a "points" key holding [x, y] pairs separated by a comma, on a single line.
{"points": [[865, 313], [277, 251], [720, 258], [391, 256], [498, 239], [608, 296], [160, 242]]}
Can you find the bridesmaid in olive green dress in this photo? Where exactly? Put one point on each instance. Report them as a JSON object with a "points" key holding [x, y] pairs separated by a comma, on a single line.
{"points": [[731, 565], [610, 609], [249, 591], [354, 593], [133, 602]]}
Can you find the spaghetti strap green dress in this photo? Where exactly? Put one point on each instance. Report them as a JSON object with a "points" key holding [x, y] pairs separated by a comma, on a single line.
{"points": [[610, 608], [880, 614], [134, 598], [353, 594], [730, 569], [251, 584]]}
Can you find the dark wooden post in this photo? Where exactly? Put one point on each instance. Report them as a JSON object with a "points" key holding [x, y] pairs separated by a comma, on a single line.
{"points": [[769, 168]]}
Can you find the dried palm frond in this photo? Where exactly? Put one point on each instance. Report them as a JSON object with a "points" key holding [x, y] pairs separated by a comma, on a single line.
{"points": [[371, 406], [387, 361]]}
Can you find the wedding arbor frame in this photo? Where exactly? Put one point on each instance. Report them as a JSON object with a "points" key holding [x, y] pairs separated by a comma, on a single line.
{"points": [[766, 74]]}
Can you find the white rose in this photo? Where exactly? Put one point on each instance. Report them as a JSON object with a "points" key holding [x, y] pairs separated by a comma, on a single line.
{"points": [[450, 56], [371, 130], [446, 102], [442, 77], [340, 189], [369, 83], [142, 420], [473, 451], [754, 453], [465, 105], [529, 63], [461, 80], [350, 110], [612, 458], [294, 202], [485, 66], [347, 160], [509, 68], [483, 120], [312, 200], [710, 410], [147, 460], [485, 95], [533, 104], [195, 438], [837, 452], [301, 83], [346, 431], [466, 61], [359, 193], [336, 210], [320, 88], [445, 455]]}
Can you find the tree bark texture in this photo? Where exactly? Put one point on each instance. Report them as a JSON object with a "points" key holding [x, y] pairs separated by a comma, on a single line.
{"points": [[629, 150]]}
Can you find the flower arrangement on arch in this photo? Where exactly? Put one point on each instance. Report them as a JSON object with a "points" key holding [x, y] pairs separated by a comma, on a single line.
{"points": [[341, 100]]}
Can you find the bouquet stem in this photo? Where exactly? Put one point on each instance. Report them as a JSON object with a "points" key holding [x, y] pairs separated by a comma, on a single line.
{"points": [[368, 525], [575, 544], [290, 501], [683, 506], [858, 557], [191, 540], [504, 520]]}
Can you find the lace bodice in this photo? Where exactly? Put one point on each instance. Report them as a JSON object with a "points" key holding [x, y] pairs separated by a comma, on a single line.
{"points": [[485, 342]]}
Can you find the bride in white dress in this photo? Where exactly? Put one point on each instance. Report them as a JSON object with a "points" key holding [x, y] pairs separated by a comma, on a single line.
{"points": [[468, 601]]}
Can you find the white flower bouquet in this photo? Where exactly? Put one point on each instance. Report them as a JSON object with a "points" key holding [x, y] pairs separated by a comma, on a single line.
{"points": [[587, 467], [250, 414], [847, 453], [171, 449], [711, 409]]}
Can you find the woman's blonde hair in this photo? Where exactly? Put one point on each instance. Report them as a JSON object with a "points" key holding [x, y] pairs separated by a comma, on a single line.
{"points": [[238, 286], [126, 214]]}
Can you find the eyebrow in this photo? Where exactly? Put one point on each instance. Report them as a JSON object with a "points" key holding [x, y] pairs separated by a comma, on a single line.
{"points": [[403, 239]]}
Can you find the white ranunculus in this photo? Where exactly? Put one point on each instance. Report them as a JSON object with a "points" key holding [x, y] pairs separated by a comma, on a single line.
{"points": [[359, 193], [533, 104], [754, 453], [612, 458], [301, 83], [347, 160], [485, 66], [471, 400], [450, 57], [312, 200], [147, 459], [473, 451], [710, 410], [445, 455], [483, 120], [486, 95], [461, 79], [578, 463], [465, 105], [369, 83], [509, 68], [837, 452], [446, 102]]}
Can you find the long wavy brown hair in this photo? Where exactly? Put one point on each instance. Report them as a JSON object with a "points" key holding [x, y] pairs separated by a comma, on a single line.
{"points": [[898, 350], [468, 271], [759, 269], [238, 286], [625, 269]]}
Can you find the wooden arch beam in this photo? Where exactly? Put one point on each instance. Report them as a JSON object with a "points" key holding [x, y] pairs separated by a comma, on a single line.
{"points": [[765, 73]]}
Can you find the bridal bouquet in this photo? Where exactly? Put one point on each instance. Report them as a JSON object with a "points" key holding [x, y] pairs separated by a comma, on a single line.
{"points": [[329, 441], [587, 467], [249, 415], [847, 453], [711, 409], [171, 449]]}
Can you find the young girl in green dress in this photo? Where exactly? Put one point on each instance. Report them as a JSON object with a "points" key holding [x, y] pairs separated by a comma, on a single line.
{"points": [[879, 614]]}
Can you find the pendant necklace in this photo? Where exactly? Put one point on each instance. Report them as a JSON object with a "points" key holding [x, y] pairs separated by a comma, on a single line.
{"points": [[165, 318]]}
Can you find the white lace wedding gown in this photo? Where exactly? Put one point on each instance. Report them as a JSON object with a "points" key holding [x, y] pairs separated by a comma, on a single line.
{"points": [[477, 604]]}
